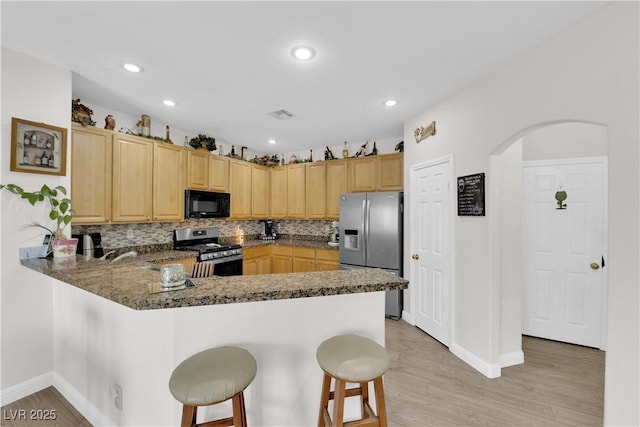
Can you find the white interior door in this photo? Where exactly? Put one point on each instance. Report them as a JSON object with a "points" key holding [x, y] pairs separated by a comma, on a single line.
{"points": [[563, 249], [430, 223]]}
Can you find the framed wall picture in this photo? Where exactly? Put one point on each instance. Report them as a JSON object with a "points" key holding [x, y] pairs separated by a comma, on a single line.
{"points": [[38, 148]]}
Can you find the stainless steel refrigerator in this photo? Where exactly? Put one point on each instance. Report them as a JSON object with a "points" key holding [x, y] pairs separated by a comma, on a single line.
{"points": [[371, 236]]}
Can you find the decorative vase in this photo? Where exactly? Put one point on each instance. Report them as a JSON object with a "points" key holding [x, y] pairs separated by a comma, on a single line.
{"points": [[64, 248]]}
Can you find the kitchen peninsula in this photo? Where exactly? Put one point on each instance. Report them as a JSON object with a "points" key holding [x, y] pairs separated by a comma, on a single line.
{"points": [[110, 331]]}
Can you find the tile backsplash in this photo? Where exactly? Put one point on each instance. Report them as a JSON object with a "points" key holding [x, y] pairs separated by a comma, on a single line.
{"points": [[115, 235]]}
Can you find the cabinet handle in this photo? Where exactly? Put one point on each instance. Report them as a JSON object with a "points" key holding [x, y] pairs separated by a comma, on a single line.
{"points": [[594, 266], [415, 256]]}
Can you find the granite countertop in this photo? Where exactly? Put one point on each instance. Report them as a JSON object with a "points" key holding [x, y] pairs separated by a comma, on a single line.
{"points": [[127, 282], [303, 243]]}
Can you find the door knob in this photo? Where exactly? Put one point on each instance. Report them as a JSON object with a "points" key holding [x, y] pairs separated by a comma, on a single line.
{"points": [[415, 256], [595, 266]]}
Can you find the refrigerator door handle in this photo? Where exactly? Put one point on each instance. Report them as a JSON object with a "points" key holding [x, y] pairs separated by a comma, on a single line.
{"points": [[365, 220]]}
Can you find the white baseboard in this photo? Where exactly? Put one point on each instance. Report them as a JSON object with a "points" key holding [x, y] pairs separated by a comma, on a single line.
{"points": [[511, 359], [26, 388], [487, 369], [407, 317], [94, 415]]}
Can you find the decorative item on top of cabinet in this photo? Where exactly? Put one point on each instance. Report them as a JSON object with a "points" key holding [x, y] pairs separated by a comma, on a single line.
{"points": [[109, 122], [363, 150], [328, 154], [345, 151], [203, 141], [145, 125], [167, 140], [399, 147], [81, 113]]}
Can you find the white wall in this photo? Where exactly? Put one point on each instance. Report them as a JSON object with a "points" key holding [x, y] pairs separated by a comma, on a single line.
{"points": [[39, 92], [565, 140], [588, 73]]}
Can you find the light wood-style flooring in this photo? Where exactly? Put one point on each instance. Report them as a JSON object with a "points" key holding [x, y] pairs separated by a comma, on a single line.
{"points": [[426, 385], [558, 385]]}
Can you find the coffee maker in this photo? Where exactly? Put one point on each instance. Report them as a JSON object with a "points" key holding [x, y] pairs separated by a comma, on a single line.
{"points": [[268, 230]]}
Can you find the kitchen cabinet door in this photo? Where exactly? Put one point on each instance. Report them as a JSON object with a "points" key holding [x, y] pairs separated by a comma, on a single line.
{"points": [[168, 187], [198, 169], [303, 260], [281, 259], [259, 191], [278, 196], [91, 152], [337, 184], [218, 173], [240, 189], [256, 261], [132, 178], [362, 174], [296, 191], [316, 190], [390, 172], [326, 260]]}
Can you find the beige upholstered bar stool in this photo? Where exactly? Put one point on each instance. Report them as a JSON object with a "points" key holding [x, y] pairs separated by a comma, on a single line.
{"points": [[352, 359], [213, 376]]}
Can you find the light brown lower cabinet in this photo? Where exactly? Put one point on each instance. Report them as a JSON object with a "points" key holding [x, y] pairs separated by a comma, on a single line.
{"points": [[288, 259], [256, 260], [303, 259], [327, 259], [281, 259]]}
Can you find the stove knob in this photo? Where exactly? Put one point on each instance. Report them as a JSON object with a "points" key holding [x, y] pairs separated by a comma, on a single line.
{"points": [[217, 254], [225, 253]]}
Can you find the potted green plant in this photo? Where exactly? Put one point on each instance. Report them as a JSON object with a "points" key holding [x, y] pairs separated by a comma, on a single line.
{"points": [[60, 213], [203, 141]]}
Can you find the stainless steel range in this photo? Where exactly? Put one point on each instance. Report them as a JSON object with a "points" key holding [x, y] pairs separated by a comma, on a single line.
{"points": [[227, 257]]}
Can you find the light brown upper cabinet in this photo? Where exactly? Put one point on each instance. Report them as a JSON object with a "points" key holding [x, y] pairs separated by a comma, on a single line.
{"points": [[218, 173], [376, 173], [91, 152], [296, 191], [168, 186], [132, 179], [362, 174], [390, 172], [198, 169], [207, 171], [278, 192], [316, 190], [259, 191], [240, 188], [337, 183]]}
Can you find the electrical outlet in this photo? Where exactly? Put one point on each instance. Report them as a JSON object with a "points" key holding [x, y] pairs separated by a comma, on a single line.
{"points": [[117, 397], [130, 233]]}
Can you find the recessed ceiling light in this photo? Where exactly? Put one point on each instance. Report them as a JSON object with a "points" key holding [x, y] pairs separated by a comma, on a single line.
{"points": [[390, 102], [272, 141], [303, 53], [132, 67], [169, 103]]}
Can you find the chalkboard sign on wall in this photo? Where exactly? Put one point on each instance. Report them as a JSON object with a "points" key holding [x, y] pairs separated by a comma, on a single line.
{"points": [[471, 195]]}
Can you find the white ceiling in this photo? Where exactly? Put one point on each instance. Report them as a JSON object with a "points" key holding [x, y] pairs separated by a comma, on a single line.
{"points": [[227, 64]]}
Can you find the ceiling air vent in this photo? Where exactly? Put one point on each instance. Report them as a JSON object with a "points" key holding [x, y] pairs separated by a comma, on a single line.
{"points": [[280, 114]]}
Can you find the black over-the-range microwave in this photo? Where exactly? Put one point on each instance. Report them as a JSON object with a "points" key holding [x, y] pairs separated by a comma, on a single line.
{"points": [[206, 204]]}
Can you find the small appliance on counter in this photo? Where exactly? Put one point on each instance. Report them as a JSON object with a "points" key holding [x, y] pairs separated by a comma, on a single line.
{"points": [[89, 245], [268, 230], [334, 234]]}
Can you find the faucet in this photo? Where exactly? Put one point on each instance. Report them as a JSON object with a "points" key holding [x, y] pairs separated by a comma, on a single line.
{"points": [[125, 255], [103, 257]]}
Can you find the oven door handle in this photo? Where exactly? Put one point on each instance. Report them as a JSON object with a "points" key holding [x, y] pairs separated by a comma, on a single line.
{"points": [[225, 259]]}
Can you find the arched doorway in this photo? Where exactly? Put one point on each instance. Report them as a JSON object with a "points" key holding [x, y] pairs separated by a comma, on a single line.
{"points": [[542, 142]]}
